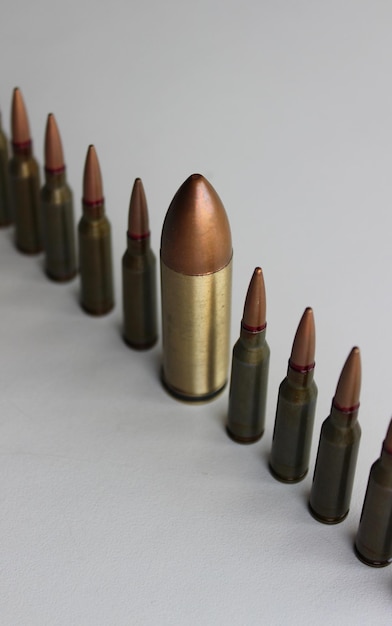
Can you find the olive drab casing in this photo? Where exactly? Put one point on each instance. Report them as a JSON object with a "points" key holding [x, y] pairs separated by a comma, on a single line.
{"points": [[5, 200]]}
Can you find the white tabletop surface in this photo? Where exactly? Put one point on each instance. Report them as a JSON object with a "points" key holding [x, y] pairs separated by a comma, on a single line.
{"points": [[120, 505]]}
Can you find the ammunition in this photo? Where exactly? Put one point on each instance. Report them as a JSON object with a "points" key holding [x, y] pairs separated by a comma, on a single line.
{"points": [[5, 200], [373, 543], [338, 448], [292, 438], [249, 369], [95, 251], [25, 181], [196, 267], [139, 276], [57, 210]]}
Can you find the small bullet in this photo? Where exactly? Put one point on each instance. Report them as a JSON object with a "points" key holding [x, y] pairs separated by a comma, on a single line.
{"points": [[95, 250], [196, 268], [249, 369], [373, 543], [338, 448], [139, 276], [25, 181], [292, 438], [5, 200], [57, 210]]}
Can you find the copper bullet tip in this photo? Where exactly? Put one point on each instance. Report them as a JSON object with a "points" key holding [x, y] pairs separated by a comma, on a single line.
{"points": [[19, 121], [92, 179], [54, 158], [254, 317], [349, 385], [387, 445], [138, 226], [196, 236], [304, 344]]}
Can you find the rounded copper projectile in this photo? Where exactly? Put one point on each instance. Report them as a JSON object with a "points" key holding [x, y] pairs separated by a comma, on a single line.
{"points": [[92, 179], [387, 445], [304, 345], [54, 157], [138, 226], [349, 385], [254, 317], [196, 236], [19, 121]]}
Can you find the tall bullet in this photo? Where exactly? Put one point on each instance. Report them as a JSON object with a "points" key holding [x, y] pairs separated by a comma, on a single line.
{"points": [[373, 543], [249, 369], [139, 275], [57, 210], [25, 181], [95, 250], [292, 438], [338, 448], [196, 268], [5, 200]]}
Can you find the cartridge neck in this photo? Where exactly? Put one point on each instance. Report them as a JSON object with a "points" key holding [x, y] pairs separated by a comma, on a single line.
{"points": [[253, 338], [300, 376], [24, 149], [344, 417], [93, 210], [55, 178], [138, 245]]}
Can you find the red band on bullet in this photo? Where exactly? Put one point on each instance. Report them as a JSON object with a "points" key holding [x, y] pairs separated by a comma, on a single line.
{"points": [[253, 329], [346, 409], [55, 170], [138, 237], [302, 369], [94, 203], [22, 145]]}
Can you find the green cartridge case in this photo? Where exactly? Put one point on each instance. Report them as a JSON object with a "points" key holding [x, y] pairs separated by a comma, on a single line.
{"points": [[5, 200], [292, 437], [58, 227], [95, 260], [373, 543], [25, 197], [335, 466]]}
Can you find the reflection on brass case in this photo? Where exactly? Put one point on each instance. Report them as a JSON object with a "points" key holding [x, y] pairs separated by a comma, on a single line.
{"points": [[373, 543], [196, 270], [338, 450], [139, 276], [5, 200]]}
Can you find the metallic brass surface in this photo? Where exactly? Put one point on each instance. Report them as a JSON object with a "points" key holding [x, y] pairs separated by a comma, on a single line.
{"points": [[25, 198], [5, 200], [195, 325], [58, 228]]}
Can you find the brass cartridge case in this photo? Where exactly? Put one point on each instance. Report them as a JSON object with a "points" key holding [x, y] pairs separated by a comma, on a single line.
{"points": [[5, 199], [25, 197], [196, 271]]}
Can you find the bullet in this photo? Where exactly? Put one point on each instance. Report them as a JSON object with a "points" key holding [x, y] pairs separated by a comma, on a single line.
{"points": [[338, 448], [25, 181], [196, 268], [5, 200], [57, 210], [373, 543], [95, 251], [249, 369], [292, 438], [139, 276]]}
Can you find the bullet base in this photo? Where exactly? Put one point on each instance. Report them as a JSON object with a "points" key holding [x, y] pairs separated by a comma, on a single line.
{"points": [[369, 561], [28, 252], [191, 399], [6, 224], [61, 279], [327, 520], [284, 479], [140, 346], [244, 440], [97, 312]]}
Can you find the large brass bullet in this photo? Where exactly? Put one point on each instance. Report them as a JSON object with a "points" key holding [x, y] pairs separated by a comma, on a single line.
{"points": [[338, 448], [196, 268], [292, 438], [95, 249], [139, 276], [249, 370], [25, 182], [5, 200], [57, 210], [373, 543]]}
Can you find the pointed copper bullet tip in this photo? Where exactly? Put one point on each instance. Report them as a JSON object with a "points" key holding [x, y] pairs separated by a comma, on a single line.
{"points": [[196, 236], [138, 226], [349, 385], [254, 317], [19, 121], [387, 445], [54, 158], [304, 344], [92, 179]]}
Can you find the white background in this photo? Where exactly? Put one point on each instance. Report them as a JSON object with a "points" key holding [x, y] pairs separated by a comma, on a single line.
{"points": [[120, 505]]}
